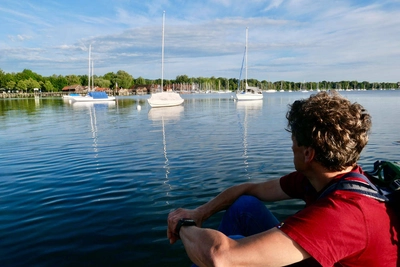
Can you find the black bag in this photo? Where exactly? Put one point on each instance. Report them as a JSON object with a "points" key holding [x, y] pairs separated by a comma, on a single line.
{"points": [[382, 184]]}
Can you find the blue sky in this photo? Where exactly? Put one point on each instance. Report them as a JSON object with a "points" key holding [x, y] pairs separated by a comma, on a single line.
{"points": [[293, 40]]}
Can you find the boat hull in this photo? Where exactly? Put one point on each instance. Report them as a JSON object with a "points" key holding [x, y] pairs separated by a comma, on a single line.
{"points": [[91, 99], [165, 99], [247, 97]]}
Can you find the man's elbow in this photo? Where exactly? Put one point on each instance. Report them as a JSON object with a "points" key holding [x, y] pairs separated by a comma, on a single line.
{"points": [[218, 254], [211, 249]]}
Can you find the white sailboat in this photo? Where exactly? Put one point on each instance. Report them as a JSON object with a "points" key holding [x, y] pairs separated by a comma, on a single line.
{"points": [[249, 92], [164, 99], [301, 87], [92, 96]]}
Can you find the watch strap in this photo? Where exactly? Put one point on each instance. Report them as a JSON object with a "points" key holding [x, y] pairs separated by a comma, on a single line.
{"points": [[184, 222]]}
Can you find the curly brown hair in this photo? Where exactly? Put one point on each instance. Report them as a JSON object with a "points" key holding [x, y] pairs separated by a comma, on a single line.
{"points": [[333, 126]]}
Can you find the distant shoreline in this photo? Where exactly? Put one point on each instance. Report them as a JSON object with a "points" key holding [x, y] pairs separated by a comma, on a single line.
{"points": [[32, 95], [60, 94]]}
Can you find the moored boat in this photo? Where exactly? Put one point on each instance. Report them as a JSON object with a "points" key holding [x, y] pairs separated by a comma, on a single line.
{"points": [[164, 99], [249, 92], [93, 97]]}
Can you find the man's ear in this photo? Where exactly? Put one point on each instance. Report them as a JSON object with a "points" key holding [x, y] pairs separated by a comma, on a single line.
{"points": [[309, 154]]}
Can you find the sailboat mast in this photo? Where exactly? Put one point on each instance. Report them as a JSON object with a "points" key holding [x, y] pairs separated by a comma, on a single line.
{"points": [[92, 75], [162, 54], [247, 29], [90, 48]]}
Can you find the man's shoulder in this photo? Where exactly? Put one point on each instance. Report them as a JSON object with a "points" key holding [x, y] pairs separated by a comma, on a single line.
{"points": [[293, 176], [296, 185]]}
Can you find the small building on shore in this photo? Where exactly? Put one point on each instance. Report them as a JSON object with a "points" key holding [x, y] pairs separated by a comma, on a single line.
{"points": [[142, 89], [73, 88]]}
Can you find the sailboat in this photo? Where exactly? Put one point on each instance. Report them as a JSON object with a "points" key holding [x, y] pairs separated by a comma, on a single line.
{"points": [[91, 96], [164, 99], [301, 88], [249, 92]]}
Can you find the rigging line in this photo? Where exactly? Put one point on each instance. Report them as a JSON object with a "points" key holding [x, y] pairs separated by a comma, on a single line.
{"points": [[241, 69]]}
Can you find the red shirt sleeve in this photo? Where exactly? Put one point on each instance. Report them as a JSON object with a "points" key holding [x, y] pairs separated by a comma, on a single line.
{"points": [[296, 185]]}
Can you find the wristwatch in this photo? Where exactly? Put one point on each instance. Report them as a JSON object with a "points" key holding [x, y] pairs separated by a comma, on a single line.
{"points": [[184, 222]]}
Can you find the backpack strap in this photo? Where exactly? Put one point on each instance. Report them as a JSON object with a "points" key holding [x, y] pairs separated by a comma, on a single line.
{"points": [[364, 187]]}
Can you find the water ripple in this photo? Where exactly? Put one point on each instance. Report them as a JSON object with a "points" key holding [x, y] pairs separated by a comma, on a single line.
{"points": [[79, 190]]}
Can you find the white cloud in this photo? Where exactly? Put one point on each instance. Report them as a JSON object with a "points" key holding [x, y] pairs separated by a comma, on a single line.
{"points": [[290, 40], [273, 4]]}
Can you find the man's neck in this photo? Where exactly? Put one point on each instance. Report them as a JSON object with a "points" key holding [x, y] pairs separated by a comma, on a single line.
{"points": [[319, 177]]}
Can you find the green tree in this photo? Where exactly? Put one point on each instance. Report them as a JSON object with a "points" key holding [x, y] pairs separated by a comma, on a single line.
{"points": [[2, 79], [83, 80], [182, 79], [124, 79], [233, 84], [112, 77], [344, 85], [103, 83], [252, 82], [26, 74], [140, 81], [21, 85], [353, 84], [109, 76], [10, 85], [73, 79], [48, 86], [59, 82], [31, 84]]}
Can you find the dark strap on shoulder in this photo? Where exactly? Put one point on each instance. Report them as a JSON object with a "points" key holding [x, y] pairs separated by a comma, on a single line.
{"points": [[364, 187]]}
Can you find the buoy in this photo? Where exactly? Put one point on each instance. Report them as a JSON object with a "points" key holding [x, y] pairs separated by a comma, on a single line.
{"points": [[138, 107]]}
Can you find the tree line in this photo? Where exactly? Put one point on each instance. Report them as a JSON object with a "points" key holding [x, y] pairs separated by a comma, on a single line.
{"points": [[27, 80]]}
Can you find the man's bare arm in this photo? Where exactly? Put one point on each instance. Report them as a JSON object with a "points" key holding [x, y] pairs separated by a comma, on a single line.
{"points": [[207, 247], [265, 191]]}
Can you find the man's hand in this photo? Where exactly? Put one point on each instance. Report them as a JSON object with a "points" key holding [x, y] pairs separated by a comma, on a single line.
{"points": [[175, 216]]}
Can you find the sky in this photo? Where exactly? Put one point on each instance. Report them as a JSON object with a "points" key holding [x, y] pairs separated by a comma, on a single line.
{"points": [[291, 40]]}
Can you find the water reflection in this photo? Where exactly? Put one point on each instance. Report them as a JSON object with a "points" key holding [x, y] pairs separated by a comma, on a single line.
{"points": [[249, 108], [121, 202], [91, 107], [253, 106], [165, 114], [88, 105], [37, 101]]}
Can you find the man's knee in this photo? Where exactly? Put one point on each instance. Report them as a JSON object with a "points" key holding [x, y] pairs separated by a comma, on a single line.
{"points": [[245, 201]]}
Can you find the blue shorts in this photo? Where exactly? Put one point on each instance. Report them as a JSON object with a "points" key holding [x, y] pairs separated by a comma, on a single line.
{"points": [[246, 216]]}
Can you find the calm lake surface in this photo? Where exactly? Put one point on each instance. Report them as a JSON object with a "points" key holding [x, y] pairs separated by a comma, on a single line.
{"points": [[92, 184]]}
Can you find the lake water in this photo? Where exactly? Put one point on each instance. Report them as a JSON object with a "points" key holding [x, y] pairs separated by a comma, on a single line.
{"points": [[92, 184]]}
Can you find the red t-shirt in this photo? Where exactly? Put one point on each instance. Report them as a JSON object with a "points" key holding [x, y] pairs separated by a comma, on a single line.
{"points": [[343, 228]]}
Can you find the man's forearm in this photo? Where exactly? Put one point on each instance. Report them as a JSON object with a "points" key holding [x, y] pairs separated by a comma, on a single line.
{"points": [[265, 191], [223, 200]]}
